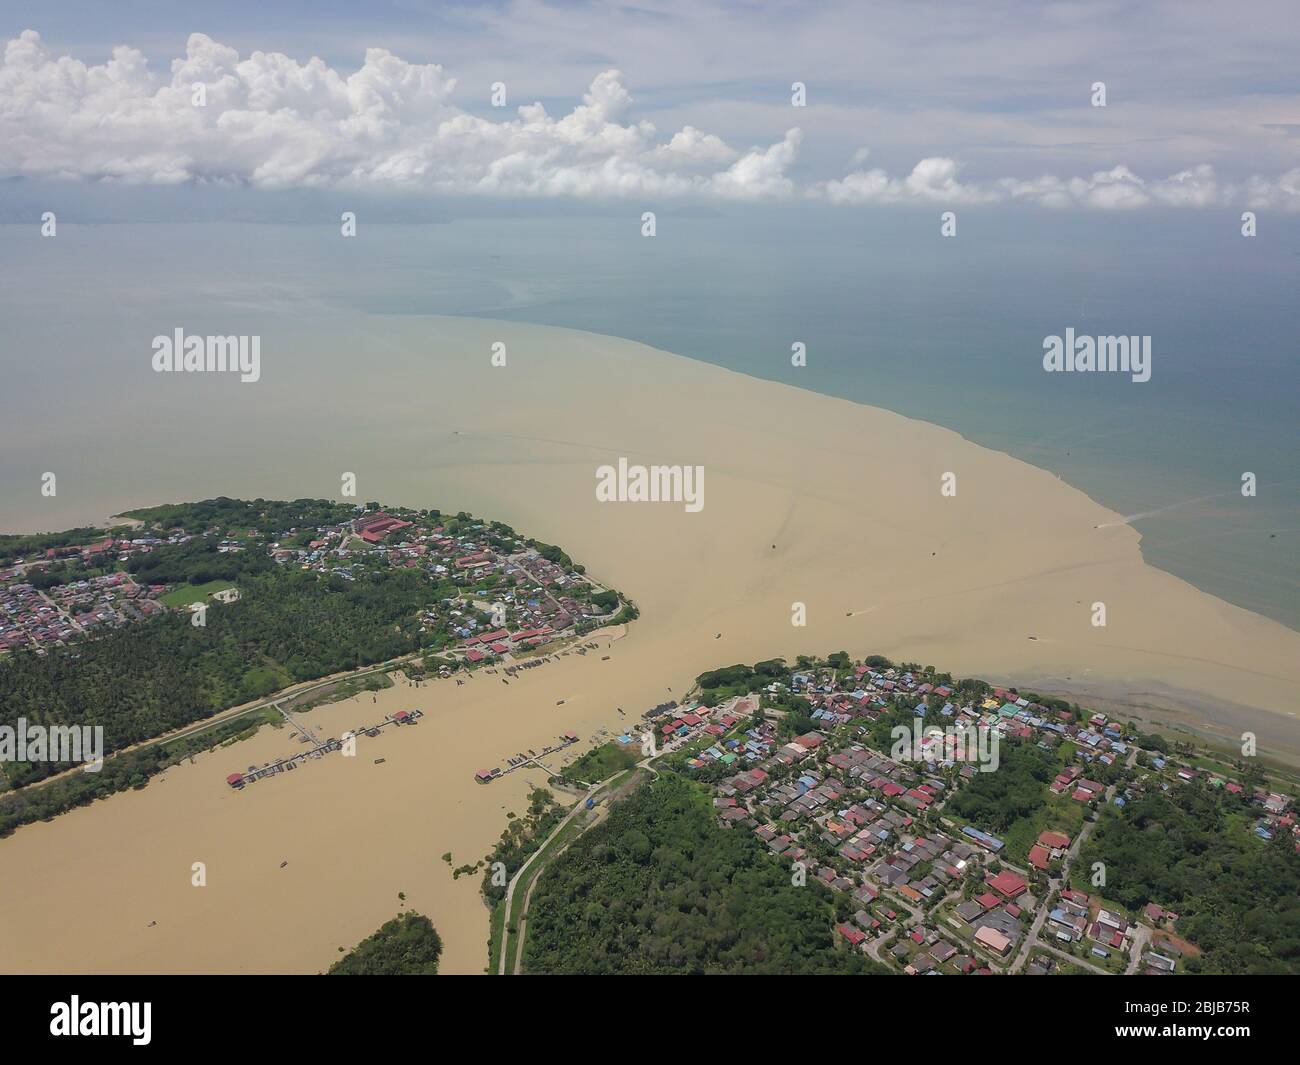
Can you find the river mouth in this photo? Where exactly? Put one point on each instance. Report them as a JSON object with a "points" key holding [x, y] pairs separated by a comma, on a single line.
{"points": [[811, 500]]}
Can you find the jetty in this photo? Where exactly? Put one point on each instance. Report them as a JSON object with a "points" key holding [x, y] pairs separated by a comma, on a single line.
{"points": [[526, 758], [319, 749]]}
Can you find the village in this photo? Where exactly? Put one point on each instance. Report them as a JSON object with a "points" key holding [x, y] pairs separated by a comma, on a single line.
{"points": [[501, 595], [33, 615], [917, 887], [509, 599]]}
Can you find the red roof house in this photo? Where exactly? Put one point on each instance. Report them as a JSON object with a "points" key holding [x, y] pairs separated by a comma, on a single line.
{"points": [[1006, 883]]}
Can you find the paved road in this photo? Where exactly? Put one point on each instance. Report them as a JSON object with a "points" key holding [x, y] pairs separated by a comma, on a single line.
{"points": [[1055, 885], [514, 880], [1073, 960], [234, 713]]}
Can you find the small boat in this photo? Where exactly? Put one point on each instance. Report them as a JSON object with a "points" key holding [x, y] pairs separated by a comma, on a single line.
{"points": [[380, 761], [283, 864]]}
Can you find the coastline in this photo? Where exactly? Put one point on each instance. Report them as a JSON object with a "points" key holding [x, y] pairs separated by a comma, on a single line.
{"points": [[810, 499]]}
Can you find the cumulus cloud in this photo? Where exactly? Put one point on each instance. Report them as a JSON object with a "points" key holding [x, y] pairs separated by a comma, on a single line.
{"points": [[271, 121], [934, 180]]}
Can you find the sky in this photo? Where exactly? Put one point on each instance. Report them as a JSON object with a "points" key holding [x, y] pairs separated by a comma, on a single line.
{"points": [[948, 103]]}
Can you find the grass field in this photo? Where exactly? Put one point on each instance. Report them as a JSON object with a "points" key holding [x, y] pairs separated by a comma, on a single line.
{"points": [[192, 593], [602, 762], [1059, 813]]}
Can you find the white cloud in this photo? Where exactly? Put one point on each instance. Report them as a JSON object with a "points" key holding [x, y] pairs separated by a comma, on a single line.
{"points": [[759, 174], [934, 180], [271, 121], [1283, 193]]}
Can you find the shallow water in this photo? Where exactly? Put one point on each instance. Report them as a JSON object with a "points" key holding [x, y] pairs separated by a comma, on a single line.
{"points": [[949, 330]]}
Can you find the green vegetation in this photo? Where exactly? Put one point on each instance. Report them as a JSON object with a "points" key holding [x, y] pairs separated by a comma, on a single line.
{"points": [[343, 689], [144, 679], [521, 837], [659, 887], [22, 546], [131, 769], [192, 593], [1058, 813], [601, 763], [408, 945], [996, 801], [198, 562], [554, 554], [1190, 850], [719, 685], [290, 625], [269, 517], [510, 920]]}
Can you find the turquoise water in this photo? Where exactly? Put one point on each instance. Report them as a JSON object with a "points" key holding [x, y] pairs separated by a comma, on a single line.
{"points": [[949, 330]]}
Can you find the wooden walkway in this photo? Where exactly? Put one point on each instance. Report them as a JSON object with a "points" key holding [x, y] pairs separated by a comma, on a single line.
{"points": [[527, 760], [319, 748]]}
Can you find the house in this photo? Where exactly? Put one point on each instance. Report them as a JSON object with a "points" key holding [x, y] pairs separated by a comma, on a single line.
{"points": [[983, 838], [942, 951], [1008, 884], [855, 936], [993, 940], [374, 527]]}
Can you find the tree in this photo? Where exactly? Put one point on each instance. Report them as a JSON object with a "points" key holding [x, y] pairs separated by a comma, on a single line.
{"points": [[408, 945]]}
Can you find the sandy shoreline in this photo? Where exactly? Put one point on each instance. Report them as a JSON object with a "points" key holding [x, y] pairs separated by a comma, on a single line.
{"points": [[808, 499]]}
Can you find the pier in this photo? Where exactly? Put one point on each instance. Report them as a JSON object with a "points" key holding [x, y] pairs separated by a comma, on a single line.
{"points": [[319, 748], [527, 758]]}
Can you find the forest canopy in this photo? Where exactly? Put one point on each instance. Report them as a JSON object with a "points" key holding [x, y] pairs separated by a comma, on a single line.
{"points": [[408, 945], [1190, 851], [659, 887]]}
